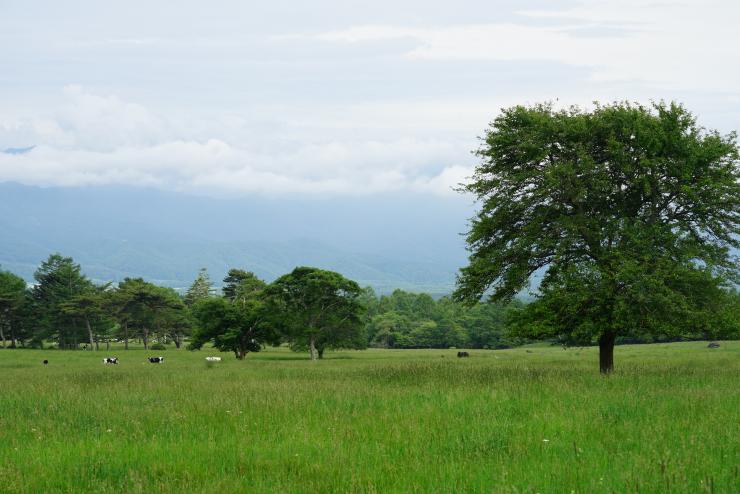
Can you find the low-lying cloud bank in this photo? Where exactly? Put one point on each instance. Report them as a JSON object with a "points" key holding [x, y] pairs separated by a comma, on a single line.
{"points": [[96, 140]]}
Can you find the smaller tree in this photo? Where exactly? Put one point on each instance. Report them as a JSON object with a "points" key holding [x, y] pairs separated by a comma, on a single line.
{"points": [[88, 307], [240, 321], [319, 309], [142, 306], [201, 289]]}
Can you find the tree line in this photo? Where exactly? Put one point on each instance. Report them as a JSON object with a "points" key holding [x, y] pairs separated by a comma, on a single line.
{"points": [[309, 309]]}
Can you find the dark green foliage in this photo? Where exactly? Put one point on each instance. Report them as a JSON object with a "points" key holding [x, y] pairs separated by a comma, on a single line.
{"points": [[14, 304], [409, 320], [631, 211], [201, 289], [143, 309], [319, 310], [58, 280], [240, 321], [88, 307]]}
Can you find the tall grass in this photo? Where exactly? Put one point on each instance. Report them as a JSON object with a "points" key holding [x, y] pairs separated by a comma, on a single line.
{"points": [[527, 420]]}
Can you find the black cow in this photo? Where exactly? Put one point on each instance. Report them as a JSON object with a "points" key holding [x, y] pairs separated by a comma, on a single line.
{"points": [[156, 360], [46, 362], [463, 354], [110, 360]]}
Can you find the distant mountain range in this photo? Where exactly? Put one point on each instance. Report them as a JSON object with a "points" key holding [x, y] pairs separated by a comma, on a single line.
{"points": [[394, 241]]}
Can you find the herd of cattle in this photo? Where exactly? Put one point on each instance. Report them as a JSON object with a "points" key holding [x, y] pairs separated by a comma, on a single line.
{"points": [[152, 360], [160, 360]]}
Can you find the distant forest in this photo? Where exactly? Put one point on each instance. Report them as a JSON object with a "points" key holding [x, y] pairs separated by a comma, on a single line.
{"points": [[309, 309], [66, 310]]}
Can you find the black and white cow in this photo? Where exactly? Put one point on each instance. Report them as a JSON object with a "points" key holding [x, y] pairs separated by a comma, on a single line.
{"points": [[110, 360], [463, 354], [156, 360]]}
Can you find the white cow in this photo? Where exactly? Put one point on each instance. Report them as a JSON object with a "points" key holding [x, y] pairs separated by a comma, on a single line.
{"points": [[213, 359]]}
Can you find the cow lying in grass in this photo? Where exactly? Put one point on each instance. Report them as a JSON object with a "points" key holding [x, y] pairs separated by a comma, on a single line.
{"points": [[156, 360], [213, 359], [463, 354], [110, 360]]}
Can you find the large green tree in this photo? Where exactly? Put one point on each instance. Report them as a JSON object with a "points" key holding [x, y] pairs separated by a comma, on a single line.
{"points": [[630, 211], [58, 280], [319, 310]]}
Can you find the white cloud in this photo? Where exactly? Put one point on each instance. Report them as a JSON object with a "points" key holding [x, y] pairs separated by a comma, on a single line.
{"points": [[686, 45], [94, 140], [259, 102]]}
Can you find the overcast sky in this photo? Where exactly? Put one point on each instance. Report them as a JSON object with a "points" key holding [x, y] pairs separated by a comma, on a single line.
{"points": [[328, 97]]}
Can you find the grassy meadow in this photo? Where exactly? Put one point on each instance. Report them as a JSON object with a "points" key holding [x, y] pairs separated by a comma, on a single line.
{"points": [[533, 419]]}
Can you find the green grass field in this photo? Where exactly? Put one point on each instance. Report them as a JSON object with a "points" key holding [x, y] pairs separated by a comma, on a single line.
{"points": [[534, 419]]}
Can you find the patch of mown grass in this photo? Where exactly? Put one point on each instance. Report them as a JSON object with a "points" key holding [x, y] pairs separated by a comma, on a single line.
{"points": [[376, 421]]}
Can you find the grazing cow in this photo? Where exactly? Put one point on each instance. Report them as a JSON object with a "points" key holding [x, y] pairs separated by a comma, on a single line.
{"points": [[46, 362], [463, 354], [713, 344], [213, 359], [156, 360], [110, 360]]}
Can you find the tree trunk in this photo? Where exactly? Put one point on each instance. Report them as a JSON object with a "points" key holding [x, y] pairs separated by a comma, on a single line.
{"points": [[13, 339], [606, 352], [125, 336], [97, 343], [178, 341], [90, 333], [2, 335], [242, 354], [107, 343], [145, 338], [321, 353], [312, 347]]}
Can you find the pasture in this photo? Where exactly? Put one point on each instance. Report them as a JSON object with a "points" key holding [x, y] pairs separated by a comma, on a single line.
{"points": [[533, 419]]}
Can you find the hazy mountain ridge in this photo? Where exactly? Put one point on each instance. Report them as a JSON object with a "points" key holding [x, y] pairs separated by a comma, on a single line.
{"points": [[166, 237]]}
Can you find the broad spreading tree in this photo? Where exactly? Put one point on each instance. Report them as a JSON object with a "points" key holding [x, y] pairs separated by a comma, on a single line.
{"points": [[239, 321], [319, 310], [89, 307], [631, 212], [142, 308]]}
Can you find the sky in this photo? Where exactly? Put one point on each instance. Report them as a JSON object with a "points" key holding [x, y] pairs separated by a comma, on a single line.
{"points": [[329, 98]]}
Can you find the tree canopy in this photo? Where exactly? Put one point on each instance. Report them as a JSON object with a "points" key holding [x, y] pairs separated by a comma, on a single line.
{"points": [[630, 211], [239, 321], [320, 309]]}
